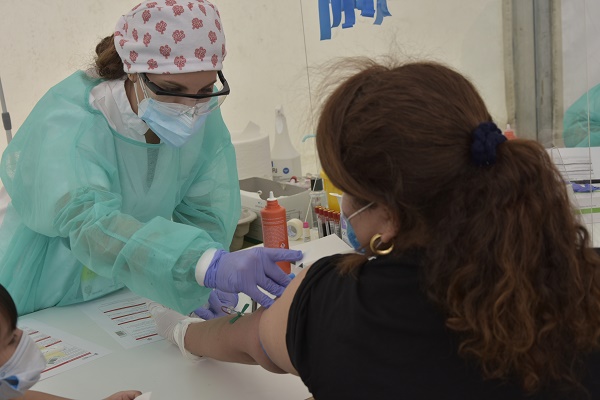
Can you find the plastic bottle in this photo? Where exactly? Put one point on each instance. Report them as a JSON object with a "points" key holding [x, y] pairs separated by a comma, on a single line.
{"points": [[329, 189], [306, 232], [274, 227], [318, 197], [285, 160], [509, 133]]}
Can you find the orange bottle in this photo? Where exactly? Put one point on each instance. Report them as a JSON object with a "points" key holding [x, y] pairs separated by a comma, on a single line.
{"points": [[274, 228]]}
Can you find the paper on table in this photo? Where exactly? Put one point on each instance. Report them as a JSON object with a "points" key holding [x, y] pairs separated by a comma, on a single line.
{"points": [[61, 350], [577, 163], [144, 396], [125, 317], [322, 247]]}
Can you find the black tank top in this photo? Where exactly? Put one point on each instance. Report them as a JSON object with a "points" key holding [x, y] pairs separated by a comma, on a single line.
{"points": [[376, 336]]}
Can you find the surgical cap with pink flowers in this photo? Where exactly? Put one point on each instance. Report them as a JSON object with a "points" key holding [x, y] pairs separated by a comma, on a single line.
{"points": [[171, 37]]}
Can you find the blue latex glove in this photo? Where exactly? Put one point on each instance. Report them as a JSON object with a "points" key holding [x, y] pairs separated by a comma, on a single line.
{"points": [[246, 270], [585, 188], [216, 301]]}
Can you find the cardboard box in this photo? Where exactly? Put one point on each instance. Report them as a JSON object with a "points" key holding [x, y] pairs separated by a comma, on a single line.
{"points": [[255, 191]]}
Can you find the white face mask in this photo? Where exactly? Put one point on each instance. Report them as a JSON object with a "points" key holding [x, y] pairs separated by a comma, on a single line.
{"points": [[23, 369]]}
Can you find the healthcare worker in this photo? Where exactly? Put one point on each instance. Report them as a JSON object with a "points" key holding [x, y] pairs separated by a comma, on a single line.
{"points": [[581, 122], [22, 362], [125, 175]]}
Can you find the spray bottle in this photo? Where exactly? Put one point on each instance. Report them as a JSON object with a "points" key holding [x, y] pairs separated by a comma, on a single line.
{"points": [[285, 160], [274, 227]]}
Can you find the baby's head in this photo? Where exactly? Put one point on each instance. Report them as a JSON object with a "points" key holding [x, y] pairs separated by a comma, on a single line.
{"points": [[21, 361]]}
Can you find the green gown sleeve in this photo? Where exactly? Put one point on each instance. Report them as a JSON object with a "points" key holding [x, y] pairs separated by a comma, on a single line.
{"points": [[581, 121]]}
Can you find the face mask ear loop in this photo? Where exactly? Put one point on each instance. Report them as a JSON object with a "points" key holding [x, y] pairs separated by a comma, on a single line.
{"points": [[136, 92], [143, 86], [355, 213]]}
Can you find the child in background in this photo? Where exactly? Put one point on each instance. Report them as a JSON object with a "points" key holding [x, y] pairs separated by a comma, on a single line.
{"points": [[21, 361]]}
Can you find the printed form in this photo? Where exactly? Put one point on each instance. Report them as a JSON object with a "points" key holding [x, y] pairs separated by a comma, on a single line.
{"points": [[61, 350], [125, 317]]}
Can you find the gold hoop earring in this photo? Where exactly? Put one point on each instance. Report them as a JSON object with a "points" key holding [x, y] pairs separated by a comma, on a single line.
{"points": [[375, 247]]}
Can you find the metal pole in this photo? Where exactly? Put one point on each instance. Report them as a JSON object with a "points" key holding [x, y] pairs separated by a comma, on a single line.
{"points": [[5, 115]]}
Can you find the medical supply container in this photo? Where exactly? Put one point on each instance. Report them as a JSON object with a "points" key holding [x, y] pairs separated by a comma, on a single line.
{"points": [[285, 160], [274, 229], [306, 231], [329, 189], [254, 193]]}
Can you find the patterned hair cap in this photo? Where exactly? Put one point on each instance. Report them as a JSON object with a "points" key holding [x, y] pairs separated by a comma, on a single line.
{"points": [[171, 37]]}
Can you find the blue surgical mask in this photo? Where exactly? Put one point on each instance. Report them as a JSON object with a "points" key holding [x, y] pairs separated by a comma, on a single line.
{"points": [[22, 370], [175, 124], [352, 239]]}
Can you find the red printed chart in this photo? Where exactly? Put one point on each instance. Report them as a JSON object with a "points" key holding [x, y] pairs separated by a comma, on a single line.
{"points": [[125, 317], [61, 350]]}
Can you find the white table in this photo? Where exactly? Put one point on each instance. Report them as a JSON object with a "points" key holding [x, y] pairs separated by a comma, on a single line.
{"points": [[157, 367]]}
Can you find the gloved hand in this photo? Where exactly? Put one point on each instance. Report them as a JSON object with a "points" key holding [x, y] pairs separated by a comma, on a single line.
{"points": [[243, 271], [172, 326], [216, 301]]}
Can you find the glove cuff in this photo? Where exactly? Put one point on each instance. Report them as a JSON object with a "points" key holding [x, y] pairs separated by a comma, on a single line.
{"points": [[179, 337], [210, 278]]}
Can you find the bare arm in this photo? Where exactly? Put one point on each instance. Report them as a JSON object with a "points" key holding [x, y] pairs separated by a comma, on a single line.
{"points": [[241, 341], [33, 395]]}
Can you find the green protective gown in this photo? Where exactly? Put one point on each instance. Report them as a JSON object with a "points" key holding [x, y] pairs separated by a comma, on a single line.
{"points": [[93, 211], [581, 121]]}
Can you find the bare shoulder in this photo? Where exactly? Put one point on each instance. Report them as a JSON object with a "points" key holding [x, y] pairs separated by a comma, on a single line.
{"points": [[273, 326]]}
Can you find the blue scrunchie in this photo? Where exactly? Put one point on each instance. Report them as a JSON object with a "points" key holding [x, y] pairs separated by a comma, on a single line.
{"points": [[486, 137]]}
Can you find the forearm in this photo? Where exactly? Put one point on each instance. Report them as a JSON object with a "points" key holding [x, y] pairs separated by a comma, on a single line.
{"points": [[33, 395], [237, 342]]}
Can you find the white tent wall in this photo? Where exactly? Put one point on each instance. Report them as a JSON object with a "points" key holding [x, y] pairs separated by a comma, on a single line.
{"points": [[274, 52]]}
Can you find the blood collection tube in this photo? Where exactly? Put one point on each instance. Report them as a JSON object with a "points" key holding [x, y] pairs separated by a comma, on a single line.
{"points": [[326, 222], [331, 214], [336, 217], [320, 225]]}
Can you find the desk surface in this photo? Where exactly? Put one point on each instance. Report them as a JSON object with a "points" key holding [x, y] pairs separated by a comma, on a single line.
{"points": [[157, 367]]}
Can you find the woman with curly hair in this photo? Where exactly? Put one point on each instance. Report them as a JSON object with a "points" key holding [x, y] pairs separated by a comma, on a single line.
{"points": [[473, 277]]}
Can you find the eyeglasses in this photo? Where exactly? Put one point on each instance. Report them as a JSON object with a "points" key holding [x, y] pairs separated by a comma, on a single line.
{"points": [[222, 89]]}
